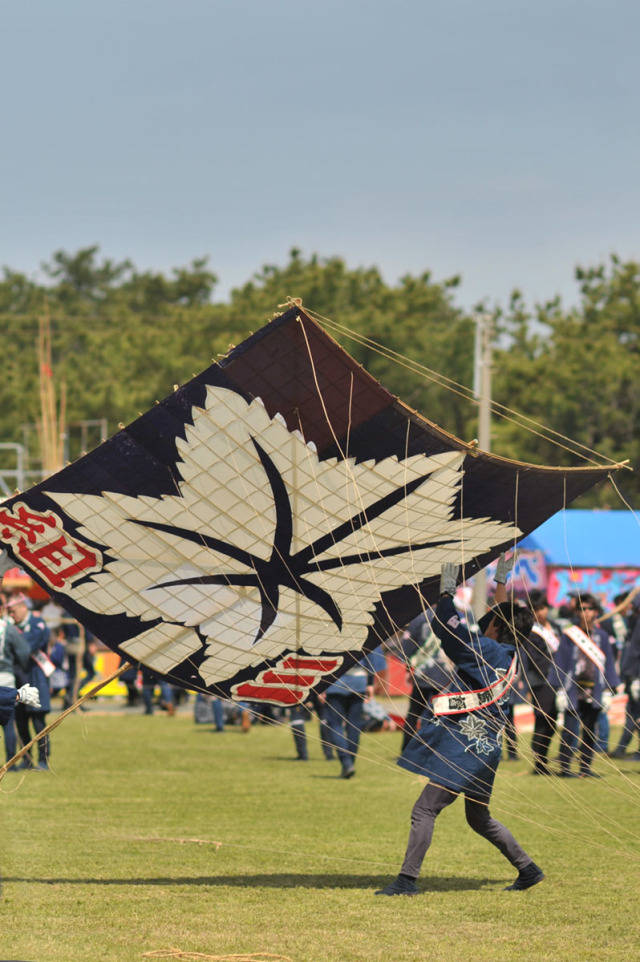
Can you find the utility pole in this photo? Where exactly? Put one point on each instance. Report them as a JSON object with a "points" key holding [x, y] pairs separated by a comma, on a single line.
{"points": [[482, 391]]}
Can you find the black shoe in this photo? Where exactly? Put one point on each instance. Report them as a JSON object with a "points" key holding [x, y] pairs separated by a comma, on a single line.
{"points": [[348, 771], [542, 770], [589, 774], [565, 773], [399, 886], [635, 757], [527, 877], [618, 753]]}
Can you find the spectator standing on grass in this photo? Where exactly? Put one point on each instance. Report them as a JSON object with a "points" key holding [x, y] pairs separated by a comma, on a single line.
{"points": [[587, 667], [58, 655], [14, 658], [460, 741], [344, 699], [616, 626], [514, 698], [619, 624], [74, 643], [149, 681], [89, 659], [37, 674], [630, 672], [299, 715], [129, 679], [10, 699], [541, 677], [208, 708]]}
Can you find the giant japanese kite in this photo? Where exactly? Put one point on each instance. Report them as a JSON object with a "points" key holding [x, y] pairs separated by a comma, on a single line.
{"points": [[282, 512]]}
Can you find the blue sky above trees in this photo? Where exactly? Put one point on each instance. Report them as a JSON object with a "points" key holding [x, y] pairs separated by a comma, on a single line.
{"points": [[497, 140]]}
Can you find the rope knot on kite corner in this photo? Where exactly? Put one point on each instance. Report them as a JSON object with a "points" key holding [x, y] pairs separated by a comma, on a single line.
{"points": [[291, 302]]}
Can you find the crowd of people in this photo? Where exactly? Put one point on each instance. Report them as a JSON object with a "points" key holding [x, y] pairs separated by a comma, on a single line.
{"points": [[570, 664]]}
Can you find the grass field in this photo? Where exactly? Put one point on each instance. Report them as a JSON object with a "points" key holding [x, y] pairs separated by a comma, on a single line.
{"points": [[112, 855]]}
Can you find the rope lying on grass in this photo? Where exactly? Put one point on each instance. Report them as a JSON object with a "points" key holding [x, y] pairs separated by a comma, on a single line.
{"points": [[243, 957]]}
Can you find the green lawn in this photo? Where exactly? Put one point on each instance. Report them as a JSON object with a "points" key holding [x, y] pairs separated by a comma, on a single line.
{"points": [[111, 856]]}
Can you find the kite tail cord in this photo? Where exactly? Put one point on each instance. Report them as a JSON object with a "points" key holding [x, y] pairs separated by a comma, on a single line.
{"points": [[61, 717]]}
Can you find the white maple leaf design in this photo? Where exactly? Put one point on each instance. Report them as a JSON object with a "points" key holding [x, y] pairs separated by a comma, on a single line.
{"points": [[476, 732], [264, 548]]}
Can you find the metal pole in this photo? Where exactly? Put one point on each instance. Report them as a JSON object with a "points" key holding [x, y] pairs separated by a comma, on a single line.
{"points": [[482, 389]]}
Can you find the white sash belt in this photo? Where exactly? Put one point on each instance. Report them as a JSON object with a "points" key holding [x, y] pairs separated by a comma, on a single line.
{"points": [[586, 646], [548, 634], [456, 702]]}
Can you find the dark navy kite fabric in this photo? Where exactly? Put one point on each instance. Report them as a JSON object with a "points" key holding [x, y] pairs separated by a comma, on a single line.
{"points": [[257, 530]]}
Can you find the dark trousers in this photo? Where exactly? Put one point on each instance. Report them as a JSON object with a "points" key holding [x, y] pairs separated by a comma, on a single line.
{"points": [[10, 741], [545, 714], [587, 714], [425, 811], [631, 719], [343, 715], [71, 688], [299, 715], [37, 719]]}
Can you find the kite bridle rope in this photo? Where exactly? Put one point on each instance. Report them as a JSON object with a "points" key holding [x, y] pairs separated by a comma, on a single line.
{"points": [[500, 410]]}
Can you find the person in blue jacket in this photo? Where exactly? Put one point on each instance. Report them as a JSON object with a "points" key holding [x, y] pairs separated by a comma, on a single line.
{"points": [[630, 672], [11, 697], [587, 666], [14, 660], [459, 744], [344, 699], [36, 634]]}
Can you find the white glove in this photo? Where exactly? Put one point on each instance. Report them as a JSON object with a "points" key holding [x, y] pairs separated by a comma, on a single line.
{"points": [[449, 579], [605, 700], [30, 696], [503, 568], [634, 689], [562, 702]]}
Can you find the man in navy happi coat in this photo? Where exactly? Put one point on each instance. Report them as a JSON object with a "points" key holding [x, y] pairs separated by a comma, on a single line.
{"points": [[10, 697], [459, 744], [586, 662], [36, 634]]}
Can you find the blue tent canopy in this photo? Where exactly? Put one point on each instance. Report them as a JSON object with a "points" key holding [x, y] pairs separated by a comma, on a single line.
{"points": [[583, 539]]}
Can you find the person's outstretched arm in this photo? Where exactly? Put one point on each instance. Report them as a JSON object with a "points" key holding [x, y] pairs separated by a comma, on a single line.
{"points": [[457, 641]]}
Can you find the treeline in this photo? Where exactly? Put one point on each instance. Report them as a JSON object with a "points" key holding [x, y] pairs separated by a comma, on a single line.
{"points": [[121, 339]]}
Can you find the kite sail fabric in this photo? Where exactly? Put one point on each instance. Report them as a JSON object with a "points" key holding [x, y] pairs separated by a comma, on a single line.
{"points": [[256, 531]]}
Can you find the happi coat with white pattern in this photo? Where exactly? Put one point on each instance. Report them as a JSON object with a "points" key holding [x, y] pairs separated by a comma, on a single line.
{"points": [[461, 751]]}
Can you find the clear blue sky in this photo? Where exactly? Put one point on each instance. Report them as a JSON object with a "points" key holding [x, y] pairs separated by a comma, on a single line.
{"points": [[495, 138]]}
